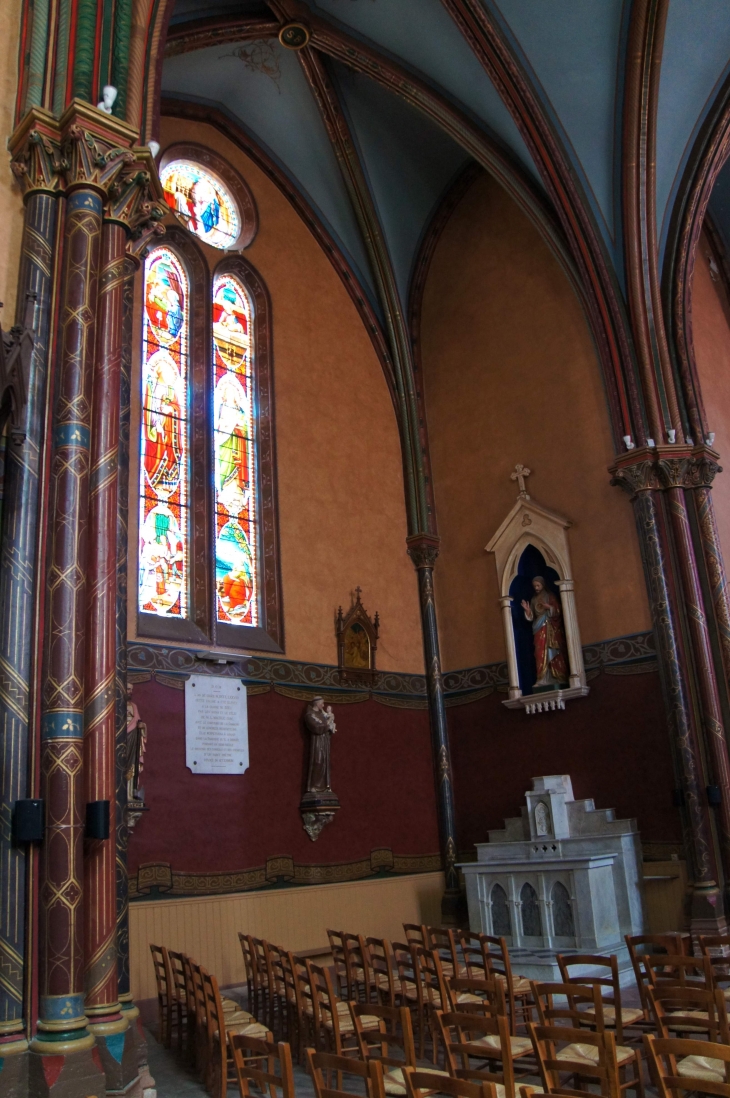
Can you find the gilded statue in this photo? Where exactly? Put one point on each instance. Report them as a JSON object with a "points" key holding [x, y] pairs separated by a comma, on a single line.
{"points": [[320, 723], [544, 613]]}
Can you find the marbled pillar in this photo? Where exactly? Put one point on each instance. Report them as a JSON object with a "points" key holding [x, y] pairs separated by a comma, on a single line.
{"points": [[62, 1021], [636, 472], [423, 550], [18, 574], [100, 899]]}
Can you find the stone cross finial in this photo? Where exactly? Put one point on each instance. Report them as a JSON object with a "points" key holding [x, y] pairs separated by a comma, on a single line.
{"points": [[358, 592], [520, 475]]}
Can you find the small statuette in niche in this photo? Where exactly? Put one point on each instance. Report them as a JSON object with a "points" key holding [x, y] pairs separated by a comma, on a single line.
{"points": [[357, 641], [542, 820]]}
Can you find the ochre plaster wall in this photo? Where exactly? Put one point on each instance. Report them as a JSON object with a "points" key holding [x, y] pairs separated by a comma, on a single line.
{"points": [[341, 501], [511, 375], [711, 333], [11, 203]]}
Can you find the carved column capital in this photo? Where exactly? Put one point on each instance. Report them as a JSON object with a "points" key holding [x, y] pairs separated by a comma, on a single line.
{"points": [[35, 148], [423, 549], [636, 472], [135, 199]]}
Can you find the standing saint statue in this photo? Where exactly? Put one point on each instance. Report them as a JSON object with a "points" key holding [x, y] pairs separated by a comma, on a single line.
{"points": [[136, 746], [546, 616], [320, 724]]}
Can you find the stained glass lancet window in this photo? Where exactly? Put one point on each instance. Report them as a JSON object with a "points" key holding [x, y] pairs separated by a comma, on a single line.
{"points": [[234, 412], [202, 202], [164, 475]]}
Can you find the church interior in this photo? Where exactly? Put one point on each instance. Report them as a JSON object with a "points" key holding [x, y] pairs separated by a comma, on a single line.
{"points": [[364, 622]]}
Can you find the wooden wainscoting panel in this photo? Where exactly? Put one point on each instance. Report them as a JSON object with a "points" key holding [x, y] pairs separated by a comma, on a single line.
{"points": [[297, 918], [665, 888]]}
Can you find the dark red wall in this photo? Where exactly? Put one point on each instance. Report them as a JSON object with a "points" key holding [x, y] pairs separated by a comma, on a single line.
{"points": [[381, 771], [614, 744]]}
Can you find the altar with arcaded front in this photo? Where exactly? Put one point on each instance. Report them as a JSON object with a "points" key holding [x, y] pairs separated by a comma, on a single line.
{"points": [[563, 877]]}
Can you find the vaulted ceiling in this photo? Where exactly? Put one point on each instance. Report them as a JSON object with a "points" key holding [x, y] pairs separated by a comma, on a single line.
{"points": [[571, 53]]}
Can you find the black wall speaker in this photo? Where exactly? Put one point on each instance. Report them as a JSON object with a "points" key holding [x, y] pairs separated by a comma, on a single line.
{"points": [[97, 820], [29, 819]]}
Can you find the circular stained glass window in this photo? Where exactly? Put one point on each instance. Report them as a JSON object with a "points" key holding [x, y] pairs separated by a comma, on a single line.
{"points": [[202, 202]]}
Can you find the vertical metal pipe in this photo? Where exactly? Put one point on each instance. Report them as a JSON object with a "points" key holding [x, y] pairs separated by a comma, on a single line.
{"points": [[17, 597], [62, 1022]]}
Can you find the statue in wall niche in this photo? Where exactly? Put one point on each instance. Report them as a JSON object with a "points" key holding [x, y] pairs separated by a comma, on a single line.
{"points": [[544, 613], [542, 820], [136, 747], [319, 803]]}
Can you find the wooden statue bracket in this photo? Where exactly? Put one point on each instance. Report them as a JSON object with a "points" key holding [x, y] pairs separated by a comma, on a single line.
{"points": [[16, 351], [357, 668]]}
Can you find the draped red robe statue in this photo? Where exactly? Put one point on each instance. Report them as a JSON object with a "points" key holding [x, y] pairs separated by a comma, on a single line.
{"points": [[545, 614]]}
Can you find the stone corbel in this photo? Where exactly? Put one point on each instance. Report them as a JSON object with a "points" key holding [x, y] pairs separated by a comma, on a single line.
{"points": [[35, 147]]}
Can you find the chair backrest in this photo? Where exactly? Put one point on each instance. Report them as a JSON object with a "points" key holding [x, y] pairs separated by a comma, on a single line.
{"points": [[663, 1055], [370, 1071], [395, 1028], [433, 986], [638, 946], [259, 981], [258, 949], [189, 988], [248, 962], [552, 1046], [463, 1037], [716, 947], [461, 990], [324, 999], [356, 966], [214, 1007], [381, 968], [201, 1001], [162, 973], [274, 969], [686, 1009], [287, 973], [471, 951], [177, 972], [337, 948], [408, 977], [679, 970], [419, 1084], [443, 939], [305, 998], [550, 1011], [249, 1056], [415, 933], [606, 978]]}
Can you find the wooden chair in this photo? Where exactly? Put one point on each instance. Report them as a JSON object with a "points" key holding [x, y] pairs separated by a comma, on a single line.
{"points": [[471, 951], [221, 1027], [676, 1065], [178, 997], [291, 1000], [337, 948], [276, 990], [163, 980], [689, 1010], [190, 1043], [249, 964], [369, 1071], [416, 934], [638, 946], [359, 981], [434, 992], [421, 1083], [409, 988], [471, 995], [717, 948], [306, 1009], [444, 941], [580, 999], [334, 1030], [615, 1016], [498, 965], [379, 954], [472, 1037], [249, 1056], [258, 952], [678, 971], [579, 1054], [394, 1031]]}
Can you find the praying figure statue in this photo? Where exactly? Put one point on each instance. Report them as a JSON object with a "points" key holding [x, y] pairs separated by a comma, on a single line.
{"points": [[320, 724], [546, 616]]}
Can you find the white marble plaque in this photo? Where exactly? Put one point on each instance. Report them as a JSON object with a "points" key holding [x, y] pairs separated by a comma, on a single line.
{"points": [[216, 725]]}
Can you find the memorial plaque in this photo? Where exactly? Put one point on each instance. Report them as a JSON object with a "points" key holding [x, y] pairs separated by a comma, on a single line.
{"points": [[216, 725]]}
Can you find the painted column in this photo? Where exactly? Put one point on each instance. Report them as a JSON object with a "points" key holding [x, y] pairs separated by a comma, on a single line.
{"points": [[636, 473], [423, 550], [100, 899], [712, 555], [62, 1023], [18, 591]]}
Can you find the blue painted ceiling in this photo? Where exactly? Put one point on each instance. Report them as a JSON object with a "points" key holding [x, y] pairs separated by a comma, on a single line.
{"points": [[570, 50]]}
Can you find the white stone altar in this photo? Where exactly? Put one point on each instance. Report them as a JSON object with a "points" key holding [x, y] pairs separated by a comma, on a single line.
{"points": [[564, 877]]}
